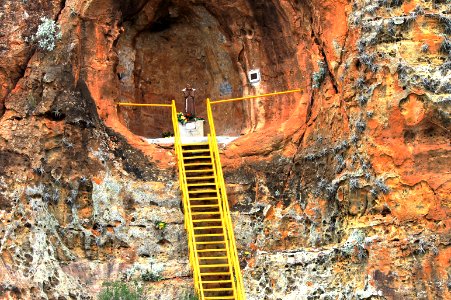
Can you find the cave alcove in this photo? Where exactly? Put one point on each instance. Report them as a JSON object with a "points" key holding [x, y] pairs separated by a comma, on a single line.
{"points": [[165, 45], [181, 45]]}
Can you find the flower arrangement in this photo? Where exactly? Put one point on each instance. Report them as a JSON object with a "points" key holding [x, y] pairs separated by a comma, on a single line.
{"points": [[185, 118]]}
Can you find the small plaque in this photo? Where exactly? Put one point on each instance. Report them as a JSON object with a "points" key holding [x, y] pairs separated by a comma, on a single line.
{"points": [[254, 76]]}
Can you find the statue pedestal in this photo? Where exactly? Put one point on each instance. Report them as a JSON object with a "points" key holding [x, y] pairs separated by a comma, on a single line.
{"points": [[195, 128]]}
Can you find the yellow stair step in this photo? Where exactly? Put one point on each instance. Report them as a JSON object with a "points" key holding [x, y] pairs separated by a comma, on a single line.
{"points": [[201, 184], [209, 234], [198, 164], [196, 157], [200, 177], [205, 213], [214, 273], [196, 150], [213, 257], [199, 171], [211, 243], [203, 198], [212, 250], [206, 220], [202, 206], [218, 290], [207, 227], [216, 281], [202, 191], [195, 144], [214, 266]]}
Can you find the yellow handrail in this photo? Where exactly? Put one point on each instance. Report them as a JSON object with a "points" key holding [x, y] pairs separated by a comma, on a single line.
{"points": [[224, 209], [143, 104], [186, 206], [255, 96], [223, 215], [233, 253]]}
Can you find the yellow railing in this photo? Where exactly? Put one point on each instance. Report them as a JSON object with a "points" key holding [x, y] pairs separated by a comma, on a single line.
{"points": [[186, 206], [143, 104], [225, 211], [226, 223], [255, 96], [236, 277]]}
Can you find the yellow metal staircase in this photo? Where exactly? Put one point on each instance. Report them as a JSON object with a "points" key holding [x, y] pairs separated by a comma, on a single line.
{"points": [[211, 241]]}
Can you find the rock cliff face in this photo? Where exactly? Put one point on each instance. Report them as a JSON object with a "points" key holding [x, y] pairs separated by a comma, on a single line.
{"points": [[339, 192]]}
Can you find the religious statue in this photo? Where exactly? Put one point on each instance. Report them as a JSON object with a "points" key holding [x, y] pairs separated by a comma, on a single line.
{"points": [[188, 93]]}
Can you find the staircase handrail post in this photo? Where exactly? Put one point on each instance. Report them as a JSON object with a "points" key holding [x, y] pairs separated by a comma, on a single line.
{"points": [[188, 217], [225, 204], [223, 214]]}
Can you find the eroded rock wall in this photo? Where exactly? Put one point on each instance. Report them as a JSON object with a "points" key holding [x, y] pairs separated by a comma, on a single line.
{"points": [[353, 185], [340, 192]]}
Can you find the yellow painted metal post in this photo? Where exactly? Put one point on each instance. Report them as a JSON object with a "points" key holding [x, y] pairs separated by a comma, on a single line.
{"points": [[233, 254], [238, 286], [223, 216], [256, 96], [186, 206]]}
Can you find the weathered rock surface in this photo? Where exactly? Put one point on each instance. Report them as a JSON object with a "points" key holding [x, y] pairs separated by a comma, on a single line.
{"points": [[340, 192]]}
